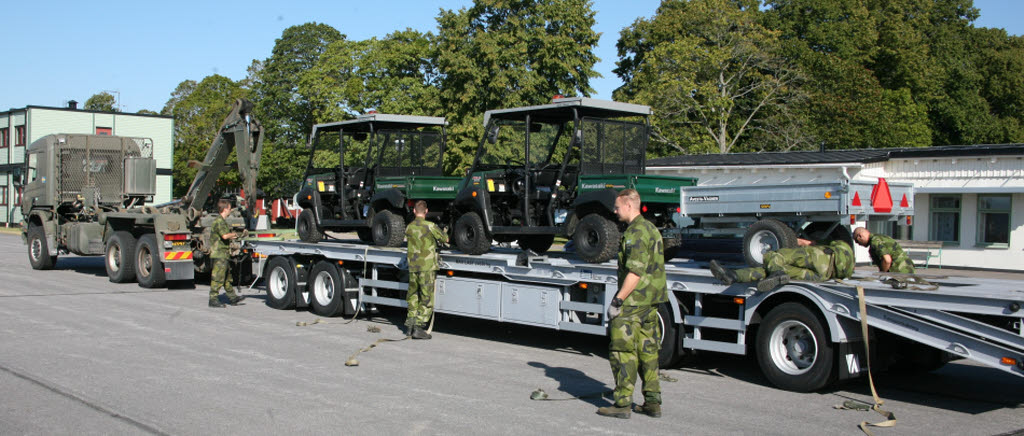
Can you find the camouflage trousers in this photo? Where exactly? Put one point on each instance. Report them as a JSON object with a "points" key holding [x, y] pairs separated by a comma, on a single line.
{"points": [[420, 298], [802, 263], [635, 343], [904, 266], [220, 277]]}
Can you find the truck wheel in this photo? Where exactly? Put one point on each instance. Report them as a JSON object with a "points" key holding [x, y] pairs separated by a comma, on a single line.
{"points": [[306, 227], [470, 236], [793, 349], [119, 257], [280, 276], [537, 243], [149, 269], [596, 238], [38, 250], [766, 235], [326, 289], [388, 229], [670, 351]]}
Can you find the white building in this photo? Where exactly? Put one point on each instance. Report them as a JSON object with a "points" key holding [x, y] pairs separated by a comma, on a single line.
{"points": [[20, 127], [969, 197]]}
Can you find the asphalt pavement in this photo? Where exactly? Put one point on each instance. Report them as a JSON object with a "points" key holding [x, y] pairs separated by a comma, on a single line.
{"points": [[80, 355]]}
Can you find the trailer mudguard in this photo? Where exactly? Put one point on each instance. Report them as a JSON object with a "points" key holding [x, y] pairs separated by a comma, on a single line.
{"points": [[390, 198], [840, 329]]}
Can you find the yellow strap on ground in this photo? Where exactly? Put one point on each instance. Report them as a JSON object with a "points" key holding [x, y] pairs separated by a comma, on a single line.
{"points": [[890, 418]]}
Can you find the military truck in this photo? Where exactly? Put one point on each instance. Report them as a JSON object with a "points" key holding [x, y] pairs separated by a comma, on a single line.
{"points": [[364, 174], [556, 169], [87, 195]]}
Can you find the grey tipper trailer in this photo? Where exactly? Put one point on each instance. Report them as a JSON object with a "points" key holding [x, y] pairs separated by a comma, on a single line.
{"points": [[805, 335], [772, 216]]}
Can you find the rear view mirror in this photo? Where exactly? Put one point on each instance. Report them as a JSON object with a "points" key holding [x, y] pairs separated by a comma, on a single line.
{"points": [[492, 134]]}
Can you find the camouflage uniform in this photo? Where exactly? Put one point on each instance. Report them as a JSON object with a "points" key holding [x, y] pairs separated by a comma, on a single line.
{"points": [[423, 237], [880, 245], [815, 263], [220, 277], [636, 334]]}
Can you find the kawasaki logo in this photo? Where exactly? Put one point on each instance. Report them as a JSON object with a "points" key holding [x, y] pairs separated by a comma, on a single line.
{"points": [[664, 190], [593, 186], [444, 189]]}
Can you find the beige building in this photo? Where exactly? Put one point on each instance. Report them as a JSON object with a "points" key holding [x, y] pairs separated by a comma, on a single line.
{"points": [[20, 127]]}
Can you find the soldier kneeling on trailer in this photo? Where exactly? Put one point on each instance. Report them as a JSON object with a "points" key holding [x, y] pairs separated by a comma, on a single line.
{"points": [[885, 252], [808, 262]]}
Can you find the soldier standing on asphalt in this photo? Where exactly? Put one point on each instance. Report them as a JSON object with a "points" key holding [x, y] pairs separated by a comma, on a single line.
{"points": [[885, 252], [808, 262], [220, 240], [633, 315], [423, 237]]}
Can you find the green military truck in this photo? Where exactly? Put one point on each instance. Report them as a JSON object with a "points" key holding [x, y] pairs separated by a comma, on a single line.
{"points": [[556, 169], [365, 174]]}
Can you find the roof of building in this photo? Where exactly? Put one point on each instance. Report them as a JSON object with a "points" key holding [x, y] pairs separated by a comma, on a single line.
{"points": [[835, 156], [67, 109]]}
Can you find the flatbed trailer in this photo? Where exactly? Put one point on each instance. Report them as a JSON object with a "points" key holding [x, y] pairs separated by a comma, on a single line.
{"points": [[805, 335]]}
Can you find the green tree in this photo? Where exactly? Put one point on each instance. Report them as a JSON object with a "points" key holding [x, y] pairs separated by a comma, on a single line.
{"points": [[505, 53], [711, 72], [103, 102], [147, 112]]}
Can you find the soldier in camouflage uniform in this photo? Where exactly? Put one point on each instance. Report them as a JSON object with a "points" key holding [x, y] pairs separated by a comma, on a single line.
{"points": [[812, 263], [885, 252], [220, 240], [423, 237], [633, 328]]}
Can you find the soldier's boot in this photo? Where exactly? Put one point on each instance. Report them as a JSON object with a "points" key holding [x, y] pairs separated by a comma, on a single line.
{"points": [[776, 279], [614, 411], [216, 303], [724, 275], [650, 409], [419, 333], [237, 301]]}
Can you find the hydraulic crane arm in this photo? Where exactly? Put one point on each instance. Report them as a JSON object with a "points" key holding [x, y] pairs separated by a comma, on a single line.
{"points": [[242, 132]]}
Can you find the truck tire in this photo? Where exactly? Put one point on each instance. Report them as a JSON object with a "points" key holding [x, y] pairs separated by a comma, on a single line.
{"points": [[326, 290], [470, 236], [149, 269], [38, 250], [794, 350], [119, 257], [537, 243], [596, 238], [388, 229], [670, 352], [280, 277], [766, 235], [306, 227]]}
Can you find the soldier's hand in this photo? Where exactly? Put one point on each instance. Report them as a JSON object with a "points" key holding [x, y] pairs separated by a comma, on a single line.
{"points": [[613, 312]]}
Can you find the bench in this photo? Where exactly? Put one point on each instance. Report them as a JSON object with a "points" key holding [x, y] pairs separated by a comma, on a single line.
{"points": [[922, 252]]}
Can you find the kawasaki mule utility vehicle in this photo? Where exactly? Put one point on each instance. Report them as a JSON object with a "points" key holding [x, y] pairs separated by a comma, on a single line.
{"points": [[555, 169], [365, 174]]}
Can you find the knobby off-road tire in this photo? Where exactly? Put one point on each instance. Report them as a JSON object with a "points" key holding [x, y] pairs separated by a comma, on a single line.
{"points": [[596, 239], [306, 227], [388, 229], [470, 235]]}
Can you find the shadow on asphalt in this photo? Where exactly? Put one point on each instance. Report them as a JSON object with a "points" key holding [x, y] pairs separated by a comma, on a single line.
{"points": [[574, 383]]}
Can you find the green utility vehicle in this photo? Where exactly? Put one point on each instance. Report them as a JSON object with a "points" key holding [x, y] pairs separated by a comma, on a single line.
{"points": [[364, 175], [556, 169]]}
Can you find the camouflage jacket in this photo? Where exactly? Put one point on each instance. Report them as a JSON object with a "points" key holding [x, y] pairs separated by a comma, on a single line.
{"points": [[842, 259], [641, 252], [218, 246], [423, 237], [880, 245]]}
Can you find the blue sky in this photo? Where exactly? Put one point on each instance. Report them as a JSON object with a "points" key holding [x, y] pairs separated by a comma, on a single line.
{"points": [[69, 50]]}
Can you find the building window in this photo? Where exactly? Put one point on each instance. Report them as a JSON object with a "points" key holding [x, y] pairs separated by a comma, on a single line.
{"points": [[104, 131], [993, 220], [19, 136], [945, 220], [5, 137], [3, 196]]}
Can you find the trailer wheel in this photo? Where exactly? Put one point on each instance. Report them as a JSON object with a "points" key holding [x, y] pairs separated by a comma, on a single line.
{"points": [[38, 250], [793, 349], [280, 274], [766, 235], [470, 236], [388, 229], [119, 257], [149, 269], [306, 227], [596, 238], [537, 243], [326, 289], [670, 351]]}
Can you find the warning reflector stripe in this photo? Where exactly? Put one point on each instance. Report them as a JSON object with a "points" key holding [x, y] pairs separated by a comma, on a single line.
{"points": [[178, 255]]}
